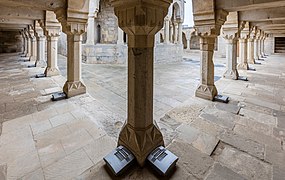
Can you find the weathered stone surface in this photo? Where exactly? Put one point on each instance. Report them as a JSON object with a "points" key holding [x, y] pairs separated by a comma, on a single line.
{"points": [[220, 119], [185, 114], [244, 164], [36, 175], [255, 125], [69, 167], [23, 165], [100, 148], [3, 171], [76, 141], [220, 172], [257, 136], [192, 160], [259, 117], [243, 143], [231, 107], [51, 154]]}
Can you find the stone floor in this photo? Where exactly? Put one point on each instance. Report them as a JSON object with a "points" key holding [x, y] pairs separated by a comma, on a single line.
{"points": [[41, 139]]}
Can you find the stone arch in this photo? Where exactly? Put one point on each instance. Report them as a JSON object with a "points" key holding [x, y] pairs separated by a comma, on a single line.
{"points": [[184, 40]]}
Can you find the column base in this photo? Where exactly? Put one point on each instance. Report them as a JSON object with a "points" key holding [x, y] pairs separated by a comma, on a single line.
{"points": [[74, 88], [141, 142], [41, 63], [231, 74], [51, 71], [243, 66], [206, 92]]}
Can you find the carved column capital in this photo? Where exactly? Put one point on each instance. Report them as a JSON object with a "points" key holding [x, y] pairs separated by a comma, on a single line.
{"points": [[244, 33], [143, 21], [209, 23], [74, 18]]}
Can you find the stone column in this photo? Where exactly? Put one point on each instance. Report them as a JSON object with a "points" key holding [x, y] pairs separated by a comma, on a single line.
{"points": [[166, 30], [262, 46], [24, 43], [120, 36], [261, 43], [140, 133], [28, 42], [34, 49], [51, 28], [207, 28], [231, 32], [256, 57], [74, 85], [41, 42], [231, 55], [91, 29], [52, 69], [180, 38], [256, 44], [33, 39], [157, 38], [250, 51], [188, 43], [73, 20], [207, 88], [243, 54], [171, 32], [175, 32]]}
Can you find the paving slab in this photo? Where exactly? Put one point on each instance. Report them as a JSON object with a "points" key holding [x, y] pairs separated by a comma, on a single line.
{"points": [[69, 167], [220, 172], [244, 164], [191, 159]]}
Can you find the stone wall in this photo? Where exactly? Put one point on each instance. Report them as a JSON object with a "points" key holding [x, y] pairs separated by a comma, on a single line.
{"points": [[118, 54], [108, 23], [104, 54], [221, 50], [168, 53], [10, 41], [62, 44]]}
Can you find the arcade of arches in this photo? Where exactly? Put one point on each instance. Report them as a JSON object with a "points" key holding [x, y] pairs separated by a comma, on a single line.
{"points": [[134, 75]]}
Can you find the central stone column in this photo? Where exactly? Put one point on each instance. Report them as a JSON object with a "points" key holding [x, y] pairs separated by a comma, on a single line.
{"points": [[166, 30], [140, 133]]}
